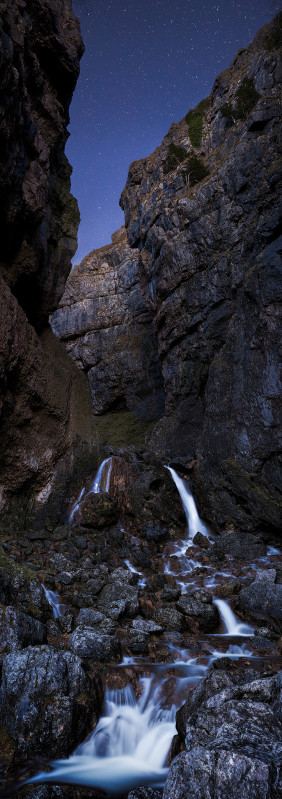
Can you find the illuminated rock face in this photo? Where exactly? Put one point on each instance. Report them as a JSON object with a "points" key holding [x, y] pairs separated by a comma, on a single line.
{"points": [[43, 432], [208, 266], [107, 329]]}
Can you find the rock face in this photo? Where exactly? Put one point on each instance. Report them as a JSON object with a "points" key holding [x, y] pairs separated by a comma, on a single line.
{"points": [[208, 268], [232, 733], [106, 325], [43, 431], [46, 703]]}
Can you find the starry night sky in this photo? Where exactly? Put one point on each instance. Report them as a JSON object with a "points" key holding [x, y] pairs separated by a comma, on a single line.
{"points": [[146, 63]]}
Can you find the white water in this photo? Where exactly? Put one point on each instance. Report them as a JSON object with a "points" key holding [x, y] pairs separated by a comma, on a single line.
{"points": [[103, 476], [232, 625], [195, 524], [129, 746], [54, 600], [103, 472]]}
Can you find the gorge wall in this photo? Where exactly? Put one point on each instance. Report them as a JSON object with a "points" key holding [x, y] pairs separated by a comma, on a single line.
{"points": [[203, 212], [45, 417]]}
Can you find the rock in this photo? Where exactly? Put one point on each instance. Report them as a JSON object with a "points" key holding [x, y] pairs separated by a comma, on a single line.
{"points": [[138, 641], [47, 432], [215, 775], [239, 545], [170, 619], [170, 594], [89, 643], [113, 341], [197, 607], [201, 540], [262, 599], [118, 599], [48, 705], [156, 534], [145, 793], [147, 626], [98, 510], [17, 630], [88, 617], [232, 732]]}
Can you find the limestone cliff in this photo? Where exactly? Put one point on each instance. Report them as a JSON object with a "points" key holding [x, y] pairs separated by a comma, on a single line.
{"points": [[209, 263], [41, 434], [106, 325], [203, 212]]}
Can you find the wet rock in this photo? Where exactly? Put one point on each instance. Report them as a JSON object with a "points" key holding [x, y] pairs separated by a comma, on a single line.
{"points": [[170, 619], [263, 600], [145, 793], [98, 510], [17, 630], [88, 617], [138, 641], [147, 625], [215, 775], [201, 540], [48, 705], [239, 545], [170, 594], [119, 597], [197, 607], [244, 713], [20, 587], [232, 730], [89, 643]]}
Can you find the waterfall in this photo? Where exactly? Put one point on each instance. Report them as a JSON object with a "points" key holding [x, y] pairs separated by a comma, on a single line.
{"points": [[103, 475], [195, 524], [103, 471], [54, 601], [232, 625], [129, 746]]}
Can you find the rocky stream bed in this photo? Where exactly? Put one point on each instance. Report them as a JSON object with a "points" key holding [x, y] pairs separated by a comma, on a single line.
{"points": [[136, 615]]}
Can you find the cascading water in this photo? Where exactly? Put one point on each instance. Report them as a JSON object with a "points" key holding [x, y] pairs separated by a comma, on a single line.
{"points": [[103, 476], [232, 625], [101, 483], [54, 601], [130, 744], [195, 524]]}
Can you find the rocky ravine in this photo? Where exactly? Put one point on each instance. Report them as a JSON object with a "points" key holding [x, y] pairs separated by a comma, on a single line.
{"points": [[45, 417], [208, 267]]}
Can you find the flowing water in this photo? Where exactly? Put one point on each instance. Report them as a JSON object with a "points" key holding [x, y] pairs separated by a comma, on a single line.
{"points": [[101, 483], [54, 601], [131, 741]]}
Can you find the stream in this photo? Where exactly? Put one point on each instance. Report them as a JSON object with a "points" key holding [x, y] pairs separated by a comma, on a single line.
{"points": [[131, 742]]}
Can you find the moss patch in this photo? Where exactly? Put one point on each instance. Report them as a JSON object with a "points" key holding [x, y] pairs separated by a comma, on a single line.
{"points": [[122, 428]]}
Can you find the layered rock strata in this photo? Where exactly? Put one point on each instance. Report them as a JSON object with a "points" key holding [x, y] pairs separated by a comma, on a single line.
{"points": [[106, 326], [45, 416], [208, 268]]}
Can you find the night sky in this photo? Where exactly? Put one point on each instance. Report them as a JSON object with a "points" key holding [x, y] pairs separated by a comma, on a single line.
{"points": [[146, 63]]}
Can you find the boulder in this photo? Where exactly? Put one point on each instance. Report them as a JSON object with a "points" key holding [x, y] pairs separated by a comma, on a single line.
{"points": [[48, 704], [239, 545], [198, 610], [89, 643], [98, 511], [262, 599], [231, 728], [17, 630]]}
